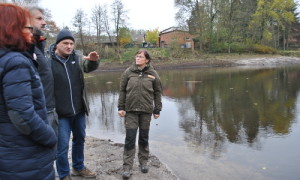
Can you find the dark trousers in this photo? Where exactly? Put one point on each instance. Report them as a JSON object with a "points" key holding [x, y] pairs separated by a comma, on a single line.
{"points": [[53, 120], [133, 122]]}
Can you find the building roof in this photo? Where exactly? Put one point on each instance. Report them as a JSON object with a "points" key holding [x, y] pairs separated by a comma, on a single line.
{"points": [[171, 29]]}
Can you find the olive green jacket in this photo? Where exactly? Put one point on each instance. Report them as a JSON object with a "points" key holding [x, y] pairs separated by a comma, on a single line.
{"points": [[140, 90]]}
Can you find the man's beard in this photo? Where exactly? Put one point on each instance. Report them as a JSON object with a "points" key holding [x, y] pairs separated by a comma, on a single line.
{"points": [[37, 32]]}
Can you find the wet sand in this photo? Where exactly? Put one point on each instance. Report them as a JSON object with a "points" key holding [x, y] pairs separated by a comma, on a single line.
{"points": [[105, 157]]}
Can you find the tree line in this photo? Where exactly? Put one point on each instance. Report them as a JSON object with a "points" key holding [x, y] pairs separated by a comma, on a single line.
{"points": [[216, 25], [229, 25]]}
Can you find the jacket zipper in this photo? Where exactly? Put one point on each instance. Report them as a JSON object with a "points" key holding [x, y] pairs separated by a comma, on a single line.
{"points": [[71, 94], [140, 84]]}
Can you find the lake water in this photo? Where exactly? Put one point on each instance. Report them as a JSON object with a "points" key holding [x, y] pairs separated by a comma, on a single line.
{"points": [[216, 123]]}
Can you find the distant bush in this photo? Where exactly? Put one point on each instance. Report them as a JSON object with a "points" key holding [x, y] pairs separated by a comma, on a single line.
{"points": [[235, 47], [183, 53], [218, 48], [107, 53], [128, 54], [159, 53], [263, 49]]}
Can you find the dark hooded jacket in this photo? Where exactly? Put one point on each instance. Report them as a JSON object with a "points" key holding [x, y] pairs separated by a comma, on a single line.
{"points": [[140, 90], [69, 88], [44, 70], [26, 138]]}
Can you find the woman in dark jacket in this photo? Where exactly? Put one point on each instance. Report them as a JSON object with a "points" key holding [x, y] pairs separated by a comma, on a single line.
{"points": [[140, 97], [26, 139]]}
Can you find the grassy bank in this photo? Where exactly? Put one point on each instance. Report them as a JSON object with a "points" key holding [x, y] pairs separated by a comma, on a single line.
{"points": [[178, 58], [127, 54], [290, 53]]}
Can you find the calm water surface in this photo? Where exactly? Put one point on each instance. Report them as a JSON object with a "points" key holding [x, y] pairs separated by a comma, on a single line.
{"points": [[216, 123]]}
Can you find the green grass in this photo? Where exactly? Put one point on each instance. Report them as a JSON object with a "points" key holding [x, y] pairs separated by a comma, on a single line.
{"points": [[290, 53]]}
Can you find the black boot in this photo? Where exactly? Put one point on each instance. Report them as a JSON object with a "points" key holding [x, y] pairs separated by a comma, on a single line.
{"points": [[144, 168], [126, 173]]}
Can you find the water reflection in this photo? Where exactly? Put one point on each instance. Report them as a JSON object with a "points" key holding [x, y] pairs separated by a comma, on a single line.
{"points": [[103, 97], [234, 105], [217, 112]]}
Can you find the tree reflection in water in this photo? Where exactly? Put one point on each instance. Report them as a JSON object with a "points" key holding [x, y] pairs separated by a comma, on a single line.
{"points": [[235, 105]]}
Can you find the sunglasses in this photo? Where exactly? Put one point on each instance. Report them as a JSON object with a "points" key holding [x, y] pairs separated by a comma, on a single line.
{"points": [[30, 28]]}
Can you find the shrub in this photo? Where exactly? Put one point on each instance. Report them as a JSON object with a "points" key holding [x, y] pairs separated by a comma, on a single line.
{"points": [[128, 54], [263, 49], [218, 48], [108, 53], [235, 47]]}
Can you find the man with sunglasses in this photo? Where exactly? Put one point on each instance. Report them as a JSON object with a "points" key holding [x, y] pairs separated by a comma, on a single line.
{"points": [[38, 23]]}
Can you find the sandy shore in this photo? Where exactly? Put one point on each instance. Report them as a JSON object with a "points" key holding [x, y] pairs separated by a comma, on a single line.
{"points": [[105, 157]]}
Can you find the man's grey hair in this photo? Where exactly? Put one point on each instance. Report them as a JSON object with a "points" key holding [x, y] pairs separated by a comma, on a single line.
{"points": [[36, 8]]}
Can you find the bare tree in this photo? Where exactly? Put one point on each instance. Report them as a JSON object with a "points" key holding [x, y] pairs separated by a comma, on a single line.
{"points": [[98, 20], [80, 22], [119, 15], [195, 16], [185, 8], [106, 23]]}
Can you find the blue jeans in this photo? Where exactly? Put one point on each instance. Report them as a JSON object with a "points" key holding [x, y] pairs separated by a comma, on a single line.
{"points": [[77, 125]]}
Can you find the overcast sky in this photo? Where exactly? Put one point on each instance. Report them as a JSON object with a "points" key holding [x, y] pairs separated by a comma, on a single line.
{"points": [[142, 14]]}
